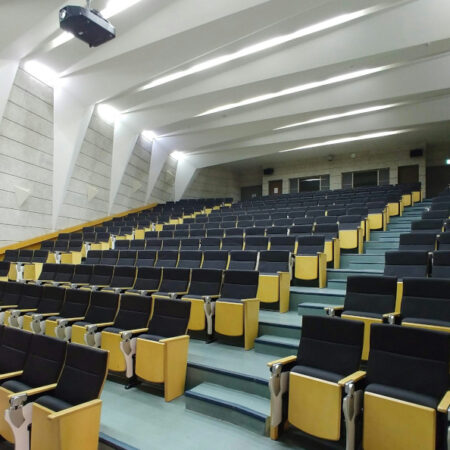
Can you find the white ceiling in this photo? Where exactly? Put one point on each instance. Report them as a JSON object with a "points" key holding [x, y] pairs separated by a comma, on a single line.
{"points": [[159, 37]]}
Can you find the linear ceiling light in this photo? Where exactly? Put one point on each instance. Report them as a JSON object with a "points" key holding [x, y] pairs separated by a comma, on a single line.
{"points": [[41, 72], [177, 155], [347, 139], [264, 45], [113, 8], [354, 112], [295, 90]]}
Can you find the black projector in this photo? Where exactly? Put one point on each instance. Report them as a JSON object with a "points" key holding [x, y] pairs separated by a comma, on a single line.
{"points": [[86, 24]]}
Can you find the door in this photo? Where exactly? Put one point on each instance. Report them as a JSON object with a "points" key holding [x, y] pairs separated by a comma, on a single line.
{"points": [[249, 192], [438, 178], [408, 174], [275, 187]]}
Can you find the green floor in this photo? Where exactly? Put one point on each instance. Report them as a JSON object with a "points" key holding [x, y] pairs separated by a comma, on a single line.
{"points": [[145, 421]]}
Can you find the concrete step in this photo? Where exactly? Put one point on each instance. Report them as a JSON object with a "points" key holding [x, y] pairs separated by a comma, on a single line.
{"points": [[301, 294], [342, 274], [364, 258], [340, 284], [381, 251], [366, 265], [312, 309], [238, 407], [380, 245], [277, 324], [276, 345]]}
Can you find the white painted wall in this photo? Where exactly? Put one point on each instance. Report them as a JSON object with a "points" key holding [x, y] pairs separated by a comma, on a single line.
{"points": [[26, 149], [364, 160]]}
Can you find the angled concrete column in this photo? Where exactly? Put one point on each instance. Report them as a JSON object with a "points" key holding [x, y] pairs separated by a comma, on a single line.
{"points": [[71, 120], [125, 138], [8, 70], [184, 174]]}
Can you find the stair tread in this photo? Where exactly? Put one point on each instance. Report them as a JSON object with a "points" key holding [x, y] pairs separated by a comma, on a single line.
{"points": [[232, 397], [354, 271], [314, 305], [315, 290], [221, 357], [289, 318], [281, 340]]}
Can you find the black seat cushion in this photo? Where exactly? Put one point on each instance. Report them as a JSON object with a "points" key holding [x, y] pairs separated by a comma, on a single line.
{"points": [[53, 403], [16, 386], [317, 373], [151, 337], [363, 314], [437, 323], [403, 394]]}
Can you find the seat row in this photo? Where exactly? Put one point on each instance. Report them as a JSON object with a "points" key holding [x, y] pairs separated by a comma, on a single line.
{"points": [[416, 263], [424, 241], [51, 388], [400, 401]]}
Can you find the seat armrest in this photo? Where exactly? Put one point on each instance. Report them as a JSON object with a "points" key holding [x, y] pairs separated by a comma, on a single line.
{"points": [[353, 378], [66, 320], [333, 311], [128, 334], [35, 391], [175, 338], [250, 300], [5, 376], [40, 316], [392, 318], [74, 409], [95, 326], [2, 307], [444, 404], [210, 297], [283, 361]]}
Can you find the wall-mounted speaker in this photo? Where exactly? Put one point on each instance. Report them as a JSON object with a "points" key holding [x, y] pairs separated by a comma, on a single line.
{"points": [[268, 171], [416, 153]]}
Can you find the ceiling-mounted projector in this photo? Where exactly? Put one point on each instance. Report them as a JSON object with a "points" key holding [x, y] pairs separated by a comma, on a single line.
{"points": [[86, 24]]}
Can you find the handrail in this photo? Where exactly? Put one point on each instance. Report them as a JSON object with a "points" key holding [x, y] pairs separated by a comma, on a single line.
{"points": [[38, 239]]}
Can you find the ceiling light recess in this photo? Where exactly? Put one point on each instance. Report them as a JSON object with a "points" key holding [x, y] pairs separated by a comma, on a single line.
{"points": [[149, 135], [343, 140], [177, 155], [296, 89], [354, 112], [261, 46], [108, 113]]}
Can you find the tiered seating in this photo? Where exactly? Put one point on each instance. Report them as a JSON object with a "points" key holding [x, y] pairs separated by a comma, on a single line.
{"points": [[44, 378], [404, 388]]}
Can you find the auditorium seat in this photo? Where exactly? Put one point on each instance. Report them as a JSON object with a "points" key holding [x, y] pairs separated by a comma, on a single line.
{"points": [[232, 243], [434, 226], [153, 244], [257, 243], [443, 241], [210, 243], [14, 346], [171, 244], [204, 289], [330, 231], [406, 399], [81, 276], [28, 301], [174, 283], [47, 274], [351, 233], [274, 278], [51, 303], [425, 304], [146, 258], [190, 244], [127, 257], [197, 233], [101, 313], [237, 309], [74, 308], [368, 299], [123, 279], [243, 260], [42, 369], [93, 257], [147, 281], [101, 277], [64, 274], [287, 243], [65, 416], [442, 214], [234, 232], [311, 260], [167, 258], [417, 241], [441, 264], [4, 270], [320, 383], [255, 231], [190, 259], [410, 263], [122, 244], [215, 259]]}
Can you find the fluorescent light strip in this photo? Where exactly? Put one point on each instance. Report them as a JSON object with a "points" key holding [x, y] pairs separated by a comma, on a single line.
{"points": [[113, 8], [264, 45], [347, 139], [108, 113], [355, 112], [149, 135], [296, 89], [177, 155]]}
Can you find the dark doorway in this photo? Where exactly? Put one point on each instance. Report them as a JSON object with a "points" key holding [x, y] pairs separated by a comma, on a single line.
{"points": [[249, 192], [366, 178], [275, 187], [408, 174], [438, 178]]}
